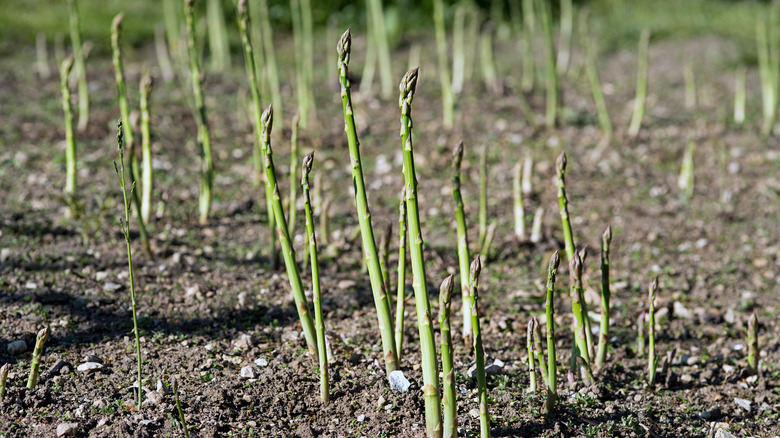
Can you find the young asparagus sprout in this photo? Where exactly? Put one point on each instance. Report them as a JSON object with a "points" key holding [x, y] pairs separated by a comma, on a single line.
{"points": [[536, 226], [489, 236], [686, 180], [319, 323], [551, 74], [458, 47], [293, 199], [259, 155], [640, 334], [529, 347], [583, 253], [564, 41], [81, 69], [581, 347], [324, 214], [528, 169], [70, 141], [739, 95], [552, 367], [125, 225], [447, 96], [486, 59], [641, 84], [146, 149], [463, 243], [479, 352], [401, 291], [538, 353], [163, 57], [381, 46], [204, 138], [591, 69], [384, 256], [689, 76], [427, 341], [563, 203], [483, 195], [518, 202], [529, 33], [288, 252], [40, 340], [652, 360], [381, 299], [175, 384], [42, 56], [606, 241], [752, 343], [272, 72], [449, 402], [768, 72], [218, 38], [3, 378], [668, 363]]}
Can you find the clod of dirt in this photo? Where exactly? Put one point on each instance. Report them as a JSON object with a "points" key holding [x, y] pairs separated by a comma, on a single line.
{"points": [[17, 347], [67, 429]]}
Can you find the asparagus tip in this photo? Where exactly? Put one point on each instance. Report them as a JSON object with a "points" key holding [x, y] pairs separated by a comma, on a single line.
{"points": [[476, 268], [555, 260], [446, 289], [267, 119], [575, 266], [408, 84], [120, 133], [607, 236], [654, 286], [67, 65], [561, 162], [458, 152], [308, 160], [116, 24], [752, 322], [242, 8], [344, 46]]}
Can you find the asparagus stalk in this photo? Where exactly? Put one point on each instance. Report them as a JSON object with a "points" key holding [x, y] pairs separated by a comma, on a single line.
{"points": [[324, 227], [401, 293], [564, 40], [382, 47], [689, 77], [583, 253], [259, 154], [538, 353], [530, 349], [552, 367], [528, 168], [42, 56], [458, 47], [685, 182], [218, 39], [427, 341], [447, 96], [384, 256], [40, 340], [119, 75], [163, 57], [204, 138], [479, 352], [293, 199], [581, 347], [483, 197], [591, 69], [486, 60], [70, 141], [489, 236], [308, 62], [175, 384], [125, 225], [739, 95], [551, 74], [450, 403], [752, 343], [463, 243], [536, 226], [529, 31], [3, 378], [272, 71], [288, 252], [146, 150], [563, 203], [518, 202], [81, 69], [319, 323], [369, 68], [606, 240], [652, 360], [641, 84], [381, 300], [640, 334]]}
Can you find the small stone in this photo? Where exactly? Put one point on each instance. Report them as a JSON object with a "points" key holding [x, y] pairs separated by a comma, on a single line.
{"points": [[5, 254], [245, 301], [723, 433], [289, 335], [67, 429], [30, 285], [244, 342], [380, 402], [361, 418], [399, 382], [729, 317], [248, 372], [90, 358], [743, 403], [474, 413], [681, 311], [111, 287], [61, 367], [89, 367], [100, 276], [17, 347], [345, 284], [153, 398], [261, 362], [710, 414]]}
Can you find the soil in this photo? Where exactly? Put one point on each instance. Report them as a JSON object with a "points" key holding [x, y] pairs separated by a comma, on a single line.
{"points": [[209, 302]]}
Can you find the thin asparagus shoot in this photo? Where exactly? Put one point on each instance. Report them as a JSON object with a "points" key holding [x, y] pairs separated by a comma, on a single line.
{"points": [[125, 225], [175, 384], [479, 352], [81, 69], [689, 78], [381, 299], [427, 341], [536, 226], [686, 182], [641, 84], [483, 195], [272, 72], [528, 169], [752, 343], [740, 80], [447, 96], [487, 61], [458, 47], [382, 47], [204, 138], [259, 154], [529, 31], [70, 141], [583, 253], [40, 340], [288, 252], [538, 353], [384, 256], [581, 347], [518, 202], [3, 378], [591, 69], [564, 40], [489, 236], [42, 56], [146, 150], [606, 241], [319, 322], [218, 38], [640, 334], [652, 360], [563, 203], [447, 369], [163, 57], [463, 243], [529, 347], [552, 367], [293, 198], [552, 92], [401, 291]]}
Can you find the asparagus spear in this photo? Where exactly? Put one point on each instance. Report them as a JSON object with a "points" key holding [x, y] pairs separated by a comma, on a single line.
{"points": [[175, 384], [315, 281], [384, 256], [427, 341], [581, 347], [3, 378], [739, 95], [463, 243], [538, 353], [146, 149], [70, 142], [447, 96], [606, 240], [553, 92], [518, 202], [752, 342], [640, 334], [288, 252], [447, 370], [552, 367], [564, 206], [530, 349], [293, 199], [401, 291], [81, 69], [40, 340], [381, 300], [479, 352], [641, 85], [652, 360], [483, 195]]}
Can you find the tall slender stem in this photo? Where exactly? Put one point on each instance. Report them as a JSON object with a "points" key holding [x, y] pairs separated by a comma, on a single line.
{"points": [[447, 96], [70, 142], [293, 199], [581, 346], [146, 150], [752, 342], [563, 203], [641, 84], [81, 69], [401, 286], [552, 92], [606, 241], [463, 243], [479, 351], [447, 370], [652, 360]]}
